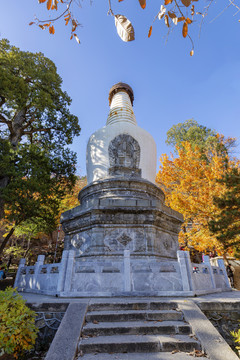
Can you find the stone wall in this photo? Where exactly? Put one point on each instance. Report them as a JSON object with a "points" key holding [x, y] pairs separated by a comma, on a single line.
{"points": [[225, 317]]}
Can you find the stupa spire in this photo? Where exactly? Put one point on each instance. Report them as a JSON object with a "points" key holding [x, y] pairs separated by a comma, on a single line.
{"points": [[120, 100]]}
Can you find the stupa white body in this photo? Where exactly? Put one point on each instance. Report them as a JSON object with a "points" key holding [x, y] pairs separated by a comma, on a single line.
{"points": [[121, 120]]}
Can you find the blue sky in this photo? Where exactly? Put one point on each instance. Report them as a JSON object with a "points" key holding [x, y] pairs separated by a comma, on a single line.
{"points": [[169, 85]]}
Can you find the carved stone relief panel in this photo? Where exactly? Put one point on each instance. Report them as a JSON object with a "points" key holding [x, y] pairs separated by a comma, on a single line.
{"points": [[81, 242], [124, 239], [124, 151]]}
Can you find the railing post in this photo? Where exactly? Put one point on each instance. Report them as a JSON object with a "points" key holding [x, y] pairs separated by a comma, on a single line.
{"points": [[62, 271], [127, 270], [221, 265], [186, 270], [20, 266], [69, 271], [40, 261], [206, 261]]}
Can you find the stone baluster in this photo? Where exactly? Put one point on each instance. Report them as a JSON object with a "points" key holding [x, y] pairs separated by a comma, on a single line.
{"points": [[40, 262], [20, 266], [221, 265], [62, 271], [127, 271], [69, 271], [186, 270], [206, 261]]}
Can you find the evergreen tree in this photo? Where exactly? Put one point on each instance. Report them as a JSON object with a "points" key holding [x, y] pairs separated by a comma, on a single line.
{"points": [[226, 225], [206, 139], [36, 167]]}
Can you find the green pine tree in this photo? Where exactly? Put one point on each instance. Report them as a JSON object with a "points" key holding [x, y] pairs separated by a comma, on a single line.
{"points": [[226, 225], [36, 167]]}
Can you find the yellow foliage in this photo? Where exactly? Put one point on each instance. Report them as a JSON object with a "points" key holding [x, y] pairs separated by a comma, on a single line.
{"points": [[189, 183], [17, 324]]}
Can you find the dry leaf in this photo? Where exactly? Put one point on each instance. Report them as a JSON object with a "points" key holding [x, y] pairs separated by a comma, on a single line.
{"points": [[76, 37], [31, 23], [51, 30], [161, 12], [41, 1], [95, 322], [49, 4], [175, 20], [191, 52], [54, 4], [186, 2], [167, 2], [192, 10], [166, 20], [172, 15], [124, 28], [181, 18], [185, 30], [150, 32], [188, 21], [142, 3]]}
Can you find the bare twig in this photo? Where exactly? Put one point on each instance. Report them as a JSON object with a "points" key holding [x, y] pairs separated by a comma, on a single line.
{"points": [[110, 12], [59, 17]]}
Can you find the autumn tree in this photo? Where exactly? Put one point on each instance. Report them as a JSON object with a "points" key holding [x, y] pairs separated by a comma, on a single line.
{"points": [[36, 127], [187, 13], [226, 224], [189, 183], [37, 236]]}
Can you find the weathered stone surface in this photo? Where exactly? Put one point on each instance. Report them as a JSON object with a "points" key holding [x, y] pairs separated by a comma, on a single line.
{"points": [[64, 345]]}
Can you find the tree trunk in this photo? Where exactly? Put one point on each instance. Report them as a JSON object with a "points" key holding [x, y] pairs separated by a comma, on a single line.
{"points": [[17, 128], [4, 181], [225, 258], [5, 241]]}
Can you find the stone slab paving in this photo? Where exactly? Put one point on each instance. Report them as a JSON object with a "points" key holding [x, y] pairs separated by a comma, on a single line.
{"points": [[228, 296]]}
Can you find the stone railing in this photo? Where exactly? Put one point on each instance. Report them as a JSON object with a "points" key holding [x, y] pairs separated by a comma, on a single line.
{"points": [[43, 278], [58, 279]]}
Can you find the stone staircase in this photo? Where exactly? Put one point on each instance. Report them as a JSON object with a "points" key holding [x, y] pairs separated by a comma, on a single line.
{"points": [[150, 330]]}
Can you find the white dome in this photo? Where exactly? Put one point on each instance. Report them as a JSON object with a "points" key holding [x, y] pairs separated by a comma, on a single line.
{"points": [[121, 120]]}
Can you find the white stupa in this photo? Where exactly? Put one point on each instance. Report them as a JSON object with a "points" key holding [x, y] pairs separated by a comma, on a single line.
{"points": [[121, 120]]}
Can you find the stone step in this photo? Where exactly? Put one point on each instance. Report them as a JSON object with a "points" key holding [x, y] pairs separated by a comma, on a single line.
{"points": [[138, 343], [136, 328], [141, 356], [134, 305], [167, 315]]}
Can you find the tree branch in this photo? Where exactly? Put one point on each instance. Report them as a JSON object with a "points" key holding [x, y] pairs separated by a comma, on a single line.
{"points": [[59, 17], [3, 100], [3, 120], [29, 132], [5, 241]]}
